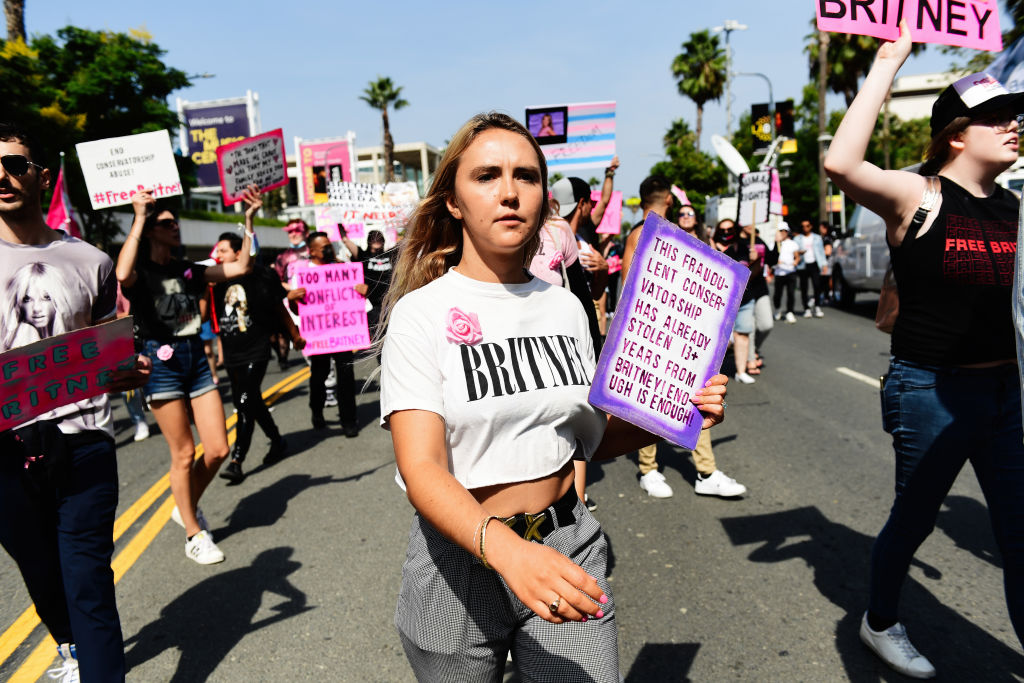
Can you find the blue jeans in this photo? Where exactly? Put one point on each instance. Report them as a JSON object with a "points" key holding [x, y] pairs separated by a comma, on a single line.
{"points": [[940, 417], [186, 374], [62, 541]]}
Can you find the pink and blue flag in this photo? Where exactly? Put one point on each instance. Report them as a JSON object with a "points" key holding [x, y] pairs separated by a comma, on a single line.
{"points": [[574, 135]]}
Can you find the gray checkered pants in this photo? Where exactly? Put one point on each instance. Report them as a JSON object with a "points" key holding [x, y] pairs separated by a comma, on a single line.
{"points": [[458, 621]]}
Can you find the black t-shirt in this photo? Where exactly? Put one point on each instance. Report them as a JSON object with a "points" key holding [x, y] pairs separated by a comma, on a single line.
{"points": [[739, 251], [377, 270], [165, 299], [246, 310]]}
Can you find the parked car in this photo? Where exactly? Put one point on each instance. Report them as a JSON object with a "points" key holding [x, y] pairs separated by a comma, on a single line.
{"points": [[859, 257]]}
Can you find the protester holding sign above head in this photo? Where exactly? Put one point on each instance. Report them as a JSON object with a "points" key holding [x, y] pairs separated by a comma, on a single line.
{"points": [[378, 266], [164, 293], [952, 391], [58, 472], [247, 310], [488, 464]]}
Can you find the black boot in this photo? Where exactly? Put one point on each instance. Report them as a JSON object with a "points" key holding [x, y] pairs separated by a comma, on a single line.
{"points": [[318, 420], [278, 450]]}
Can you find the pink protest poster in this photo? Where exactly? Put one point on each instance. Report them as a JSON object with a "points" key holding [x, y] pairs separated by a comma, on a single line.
{"points": [[961, 23], [680, 194], [611, 222], [332, 317], [670, 332], [259, 160], [53, 372]]}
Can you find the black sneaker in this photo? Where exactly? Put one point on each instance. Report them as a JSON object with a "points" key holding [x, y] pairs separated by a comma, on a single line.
{"points": [[589, 502], [233, 472], [319, 422], [277, 451], [351, 431], [283, 364]]}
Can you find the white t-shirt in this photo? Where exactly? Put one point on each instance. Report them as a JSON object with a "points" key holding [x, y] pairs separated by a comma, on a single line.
{"points": [[787, 257], [807, 246], [513, 392]]}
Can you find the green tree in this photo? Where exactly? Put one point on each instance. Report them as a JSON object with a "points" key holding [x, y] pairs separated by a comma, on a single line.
{"points": [[594, 183], [688, 167], [700, 73], [87, 85], [381, 94]]}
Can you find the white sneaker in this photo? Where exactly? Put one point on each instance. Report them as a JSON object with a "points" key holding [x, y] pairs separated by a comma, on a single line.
{"points": [[67, 672], [176, 516], [808, 313], [778, 315], [894, 648], [790, 318], [203, 550], [330, 401], [818, 313], [654, 483], [718, 484], [744, 378], [141, 431]]}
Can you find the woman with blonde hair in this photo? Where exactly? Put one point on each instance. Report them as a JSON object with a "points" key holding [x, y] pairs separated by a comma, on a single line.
{"points": [[485, 376], [38, 295]]}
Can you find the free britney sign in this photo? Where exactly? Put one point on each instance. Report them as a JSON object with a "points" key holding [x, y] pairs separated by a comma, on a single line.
{"points": [[670, 332], [332, 315]]}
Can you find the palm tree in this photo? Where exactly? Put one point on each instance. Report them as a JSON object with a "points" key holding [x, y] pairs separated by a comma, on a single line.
{"points": [[700, 72], [380, 94], [14, 11]]}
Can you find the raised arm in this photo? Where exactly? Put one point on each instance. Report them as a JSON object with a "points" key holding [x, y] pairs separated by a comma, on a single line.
{"points": [[352, 247], [606, 192], [893, 195], [142, 203], [244, 264]]}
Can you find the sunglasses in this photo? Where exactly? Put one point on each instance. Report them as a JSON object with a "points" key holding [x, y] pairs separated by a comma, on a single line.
{"points": [[17, 164], [687, 214], [166, 223], [1002, 122]]}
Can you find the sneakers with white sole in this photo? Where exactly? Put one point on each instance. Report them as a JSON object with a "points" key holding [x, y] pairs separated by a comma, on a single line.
{"points": [[202, 550], [808, 313], [141, 431], [67, 672], [895, 649], [744, 378], [718, 484], [818, 313], [654, 483], [203, 524], [790, 318]]}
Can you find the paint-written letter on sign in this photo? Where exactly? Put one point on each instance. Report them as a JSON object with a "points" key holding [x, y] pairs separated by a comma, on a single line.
{"points": [[961, 23], [332, 315], [670, 332], [53, 372], [259, 160]]}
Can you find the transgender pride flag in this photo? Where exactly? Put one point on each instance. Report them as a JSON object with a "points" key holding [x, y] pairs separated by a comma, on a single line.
{"points": [[584, 138]]}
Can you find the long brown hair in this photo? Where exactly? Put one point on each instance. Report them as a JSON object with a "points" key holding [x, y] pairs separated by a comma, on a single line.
{"points": [[433, 239], [938, 149]]}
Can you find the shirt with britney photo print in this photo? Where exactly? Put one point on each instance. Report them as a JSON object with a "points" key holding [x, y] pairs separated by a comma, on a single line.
{"points": [[245, 308]]}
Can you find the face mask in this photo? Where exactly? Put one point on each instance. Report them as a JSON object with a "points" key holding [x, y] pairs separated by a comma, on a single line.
{"points": [[328, 254], [300, 245]]}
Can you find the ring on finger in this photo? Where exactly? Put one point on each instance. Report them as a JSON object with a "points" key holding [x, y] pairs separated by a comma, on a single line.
{"points": [[724, 405], [555, 604]]}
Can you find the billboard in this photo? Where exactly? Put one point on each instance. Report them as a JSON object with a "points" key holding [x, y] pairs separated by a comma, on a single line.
{"points": [[322, 162], [210, 124]]}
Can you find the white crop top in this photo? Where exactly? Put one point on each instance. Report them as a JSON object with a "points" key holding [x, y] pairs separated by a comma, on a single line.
{"points": [[508, 368]]}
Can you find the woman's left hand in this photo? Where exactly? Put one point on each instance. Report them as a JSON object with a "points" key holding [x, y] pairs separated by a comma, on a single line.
{"points": [[710, 400]]}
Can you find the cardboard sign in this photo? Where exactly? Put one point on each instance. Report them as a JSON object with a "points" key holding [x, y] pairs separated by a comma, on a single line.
{"points": [[670, 332], [259, 160], [333, 317], [574, 135], [372, 205], [611, 222], [117, 168], [754, 197], [53, 372], [961, 23], [775, 194]]}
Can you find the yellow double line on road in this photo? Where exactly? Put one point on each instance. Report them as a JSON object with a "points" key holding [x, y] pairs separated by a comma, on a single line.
{"points": [[40, 658]]}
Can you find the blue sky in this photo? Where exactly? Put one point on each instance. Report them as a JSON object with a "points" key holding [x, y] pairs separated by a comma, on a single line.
{"points": [[309, 61]]}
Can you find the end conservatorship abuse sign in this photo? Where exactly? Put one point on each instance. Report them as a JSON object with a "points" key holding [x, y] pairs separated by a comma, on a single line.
{"points": [[670, 332]]}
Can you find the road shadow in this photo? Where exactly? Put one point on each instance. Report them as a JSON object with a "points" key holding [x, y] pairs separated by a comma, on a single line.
{"points": [[839, 557], [966, 522], [663, 662], [208, 620], [264, 507]]}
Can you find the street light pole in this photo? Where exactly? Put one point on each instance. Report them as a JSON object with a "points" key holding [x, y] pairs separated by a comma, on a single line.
{"points": [[728, 26]]}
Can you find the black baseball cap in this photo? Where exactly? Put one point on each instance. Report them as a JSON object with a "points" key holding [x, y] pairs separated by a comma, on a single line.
{"points": [[974, 96]]}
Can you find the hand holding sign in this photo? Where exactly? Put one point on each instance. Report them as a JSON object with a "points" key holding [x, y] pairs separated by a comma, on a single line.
{"points": [[259, 160], [960, 23]]}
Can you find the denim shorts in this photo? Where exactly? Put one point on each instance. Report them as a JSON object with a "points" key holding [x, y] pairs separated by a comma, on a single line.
{"points": [[185, 374], [745, 318]]}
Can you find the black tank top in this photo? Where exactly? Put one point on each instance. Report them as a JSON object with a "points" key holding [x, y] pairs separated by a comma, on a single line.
{"points": [[955, 282]]}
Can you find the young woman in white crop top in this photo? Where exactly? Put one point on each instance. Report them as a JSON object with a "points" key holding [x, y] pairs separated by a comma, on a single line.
{"points": [[484, 384]]}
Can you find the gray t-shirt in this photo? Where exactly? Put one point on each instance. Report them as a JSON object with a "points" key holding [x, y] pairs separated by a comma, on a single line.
{"points": [[51, 289]]}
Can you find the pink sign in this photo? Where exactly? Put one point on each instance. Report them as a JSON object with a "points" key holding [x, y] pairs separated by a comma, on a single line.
{"points": [[775, 194], [680, 195], [333, 316], [259, 160], [611, 222], [321, 163], [53, 372], [962, 23]]}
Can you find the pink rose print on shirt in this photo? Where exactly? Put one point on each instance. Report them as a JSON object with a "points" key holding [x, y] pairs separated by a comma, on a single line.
{"points": [[556, 260], [188, 274], [164, 353], [463, 328]]}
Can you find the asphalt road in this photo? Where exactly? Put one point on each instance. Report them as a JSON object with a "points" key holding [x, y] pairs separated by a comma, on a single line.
{"points": [[765, 588]]}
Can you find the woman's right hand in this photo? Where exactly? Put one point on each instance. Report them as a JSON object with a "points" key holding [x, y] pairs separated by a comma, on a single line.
{"points": [[538, 575], [143, 203], [297, 294]]}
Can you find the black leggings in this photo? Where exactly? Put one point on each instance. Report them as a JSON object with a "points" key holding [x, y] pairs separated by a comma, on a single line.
{"points": [[247, 395], [787, 284], [345, 391], [813, 273]]}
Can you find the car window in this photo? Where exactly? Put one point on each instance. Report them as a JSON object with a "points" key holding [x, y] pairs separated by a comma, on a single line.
{"points": [[866, 223]]}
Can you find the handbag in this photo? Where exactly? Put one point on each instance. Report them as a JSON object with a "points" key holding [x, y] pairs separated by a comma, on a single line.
{"points": [[889, 298]]}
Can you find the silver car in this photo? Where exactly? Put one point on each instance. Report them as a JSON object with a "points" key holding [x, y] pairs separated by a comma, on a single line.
{"points": [[860, 257]]}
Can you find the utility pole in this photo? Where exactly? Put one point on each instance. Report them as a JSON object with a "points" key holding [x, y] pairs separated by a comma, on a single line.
{"points": [[728, 26], [822, 131]]}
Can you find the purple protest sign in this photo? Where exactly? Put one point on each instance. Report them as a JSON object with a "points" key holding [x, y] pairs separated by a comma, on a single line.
{"points": [[332, 315], [670, 332]]}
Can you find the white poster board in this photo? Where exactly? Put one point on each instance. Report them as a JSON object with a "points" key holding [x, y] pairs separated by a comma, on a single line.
{"points": [[117, 168]]}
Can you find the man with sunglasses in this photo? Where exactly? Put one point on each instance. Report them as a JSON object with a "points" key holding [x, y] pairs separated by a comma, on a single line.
{"points": [[59, 529]]}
